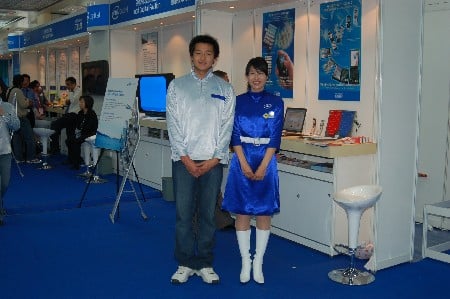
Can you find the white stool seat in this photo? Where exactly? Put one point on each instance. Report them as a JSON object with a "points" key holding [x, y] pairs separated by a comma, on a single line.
{"points": [[44, 134], [355, 200], [42, 123]]}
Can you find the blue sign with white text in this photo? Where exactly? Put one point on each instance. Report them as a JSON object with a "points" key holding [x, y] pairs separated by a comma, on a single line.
{"points": [[15, 42], [126, 10], [97, 15], [65, 28]]}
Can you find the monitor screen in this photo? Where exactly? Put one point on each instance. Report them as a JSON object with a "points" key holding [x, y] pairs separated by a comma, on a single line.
{"points": [[294, 119], [151, 93]]}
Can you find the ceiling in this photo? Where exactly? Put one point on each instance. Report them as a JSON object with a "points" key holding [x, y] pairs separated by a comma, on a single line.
{"points": [[28, 5]]}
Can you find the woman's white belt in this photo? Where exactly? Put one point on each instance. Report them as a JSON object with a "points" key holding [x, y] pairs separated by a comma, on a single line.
{"points": [[255, 141]]}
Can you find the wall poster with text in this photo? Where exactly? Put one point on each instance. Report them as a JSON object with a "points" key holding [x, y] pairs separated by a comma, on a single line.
{"points": [[278, 51], [149, 48], [340, 50]]}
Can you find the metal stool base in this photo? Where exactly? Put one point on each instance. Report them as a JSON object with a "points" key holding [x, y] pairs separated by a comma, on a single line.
{"points": [[351, 276], [97, 180], [45, 166], [85, 174]]}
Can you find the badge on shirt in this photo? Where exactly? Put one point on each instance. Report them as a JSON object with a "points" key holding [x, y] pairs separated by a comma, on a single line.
{"points": [[270, 114]]}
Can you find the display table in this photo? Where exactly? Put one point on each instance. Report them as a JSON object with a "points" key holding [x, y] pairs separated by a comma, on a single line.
{"points": [[440, 251], [56, 109], [309, 176]]}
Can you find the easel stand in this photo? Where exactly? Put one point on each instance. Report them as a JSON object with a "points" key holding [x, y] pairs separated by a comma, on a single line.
{"points": [[92, 177], [126, 158]]}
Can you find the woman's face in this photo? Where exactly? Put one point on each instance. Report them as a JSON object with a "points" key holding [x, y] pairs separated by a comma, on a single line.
{"points": [[82, 104], [256, 79]]}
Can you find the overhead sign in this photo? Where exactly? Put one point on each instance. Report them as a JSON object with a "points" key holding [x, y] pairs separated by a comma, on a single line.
{"points": [[127, 10], [97, 16], [61, 29], [15, 41]]}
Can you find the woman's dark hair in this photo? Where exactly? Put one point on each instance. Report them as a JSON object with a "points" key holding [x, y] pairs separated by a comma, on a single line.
{"points": [[88, 101], [259, 63], [204, 39], [4, 88], [17, 81]]}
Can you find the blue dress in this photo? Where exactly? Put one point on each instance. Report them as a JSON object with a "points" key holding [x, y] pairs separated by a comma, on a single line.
{"points": [[257, 115]]}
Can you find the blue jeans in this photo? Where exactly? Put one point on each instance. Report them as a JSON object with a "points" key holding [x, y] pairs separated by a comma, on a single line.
{"points": [[5, 175], [24, 136], [193, 194]]}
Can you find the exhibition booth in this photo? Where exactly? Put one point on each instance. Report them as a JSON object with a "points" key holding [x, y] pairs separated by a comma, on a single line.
{"points": [[345, 58]]}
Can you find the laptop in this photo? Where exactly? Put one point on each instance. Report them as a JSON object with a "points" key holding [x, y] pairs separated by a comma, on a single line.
{"points": [[294, 118]]}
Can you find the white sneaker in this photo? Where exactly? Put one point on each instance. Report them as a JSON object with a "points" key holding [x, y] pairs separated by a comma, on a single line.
{"points": [[182, 274], [208, 275]]}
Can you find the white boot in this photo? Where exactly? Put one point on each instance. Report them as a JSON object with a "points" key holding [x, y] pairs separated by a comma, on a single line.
{"points": [[243, 237], [262, 237]]}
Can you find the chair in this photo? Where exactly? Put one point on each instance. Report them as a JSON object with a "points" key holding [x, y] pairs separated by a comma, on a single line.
{"points": [[355, 200], [44, 135], [438, 251], [95, 152]]}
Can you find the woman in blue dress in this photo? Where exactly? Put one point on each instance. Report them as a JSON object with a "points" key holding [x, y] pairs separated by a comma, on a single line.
{"points": [[252, 187]]}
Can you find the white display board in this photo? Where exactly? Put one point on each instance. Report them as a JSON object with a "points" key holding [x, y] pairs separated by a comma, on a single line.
{"points": [[116, 112]]}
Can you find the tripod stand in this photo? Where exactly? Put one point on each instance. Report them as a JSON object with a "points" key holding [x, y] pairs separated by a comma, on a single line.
{"points": [[133, 136]]}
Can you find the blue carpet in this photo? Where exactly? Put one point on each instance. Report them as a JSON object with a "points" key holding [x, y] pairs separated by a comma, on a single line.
{"points": [[60, 188], [79, 253]]}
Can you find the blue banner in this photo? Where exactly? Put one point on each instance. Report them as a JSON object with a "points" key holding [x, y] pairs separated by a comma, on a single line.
{"points": [[65, 28], [15, 41], [127, 10], [97, 15], [278, 51], [340, 50]]}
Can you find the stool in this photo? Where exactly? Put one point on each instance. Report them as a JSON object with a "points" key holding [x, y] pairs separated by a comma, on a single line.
{"points": [[44, 135], [355, 200], [437, 251], [95, 152]]}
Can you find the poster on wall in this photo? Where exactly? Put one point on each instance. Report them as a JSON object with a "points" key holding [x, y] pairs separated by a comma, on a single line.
{"points": [[149, 48], [340, 50], [61, 69], [41, 70], [278, 50], [116, 112], [74, 63]]}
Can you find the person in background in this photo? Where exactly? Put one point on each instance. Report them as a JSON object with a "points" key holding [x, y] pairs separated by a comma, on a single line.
{"points": [[200, 110], [3, 88], [68, 120], [222, 75], [252, 187], [29, 94], [38, 106], [86, 126], [223, 218], [8, 122], [25, 134]]}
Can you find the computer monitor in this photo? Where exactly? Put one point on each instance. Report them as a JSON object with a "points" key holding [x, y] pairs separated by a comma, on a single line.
{"points": [[294, 118]]}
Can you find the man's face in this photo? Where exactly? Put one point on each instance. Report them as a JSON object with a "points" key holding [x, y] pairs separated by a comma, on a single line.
{"points": [[70, 86], [203, 57], [26, 82]]}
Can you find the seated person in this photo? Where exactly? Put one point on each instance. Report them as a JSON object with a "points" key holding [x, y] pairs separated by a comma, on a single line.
{"points": [[86, 124], [68, 120], [38, 106]]}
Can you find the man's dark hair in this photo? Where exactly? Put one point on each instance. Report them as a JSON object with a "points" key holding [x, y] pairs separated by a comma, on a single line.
{"points": [[205, 39], [26, 76], [71, 80]]}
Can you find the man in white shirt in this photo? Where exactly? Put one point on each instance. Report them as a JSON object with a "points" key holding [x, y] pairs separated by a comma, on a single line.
{"points": [[68, 120]]}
